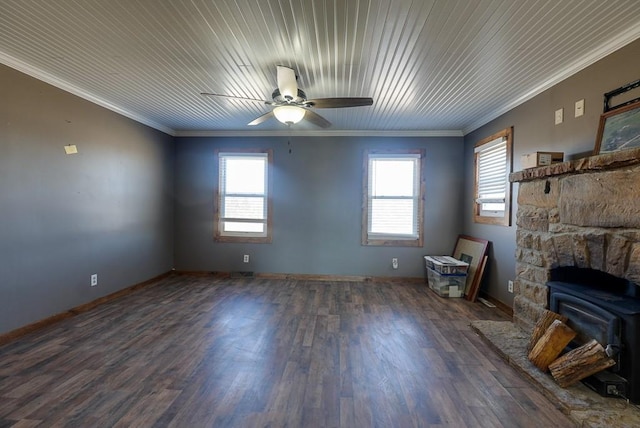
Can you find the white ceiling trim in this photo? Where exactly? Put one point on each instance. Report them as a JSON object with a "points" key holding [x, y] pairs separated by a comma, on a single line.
{"points": [[321, 133], [596, 55], [43, 76]]}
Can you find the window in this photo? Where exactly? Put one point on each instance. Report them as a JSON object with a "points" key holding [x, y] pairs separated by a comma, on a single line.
{"points": [[492, 188], [393, 198], [243, 209]]}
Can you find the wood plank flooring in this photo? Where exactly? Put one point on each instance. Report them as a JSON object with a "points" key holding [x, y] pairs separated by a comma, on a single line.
{"points": [[193, 351]]}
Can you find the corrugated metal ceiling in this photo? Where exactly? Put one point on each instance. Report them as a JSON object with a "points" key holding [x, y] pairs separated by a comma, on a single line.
{"points": [[432, 66]]}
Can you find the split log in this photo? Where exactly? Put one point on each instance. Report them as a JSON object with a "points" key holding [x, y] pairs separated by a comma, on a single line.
{"points": [[542, 325], [584, 361], [551, 344]]}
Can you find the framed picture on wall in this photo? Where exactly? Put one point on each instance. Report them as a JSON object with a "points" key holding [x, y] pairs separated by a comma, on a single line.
{"points": [[619, 129], [474, 252]]}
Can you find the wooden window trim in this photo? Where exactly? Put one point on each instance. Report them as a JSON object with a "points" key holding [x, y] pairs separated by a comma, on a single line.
{"points": [[218, 237], [504, 220], [419, 242]]}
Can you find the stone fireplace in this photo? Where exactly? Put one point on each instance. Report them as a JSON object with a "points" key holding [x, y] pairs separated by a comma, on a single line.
{"points": [[579, 215], [583, 213], [583, 218]]}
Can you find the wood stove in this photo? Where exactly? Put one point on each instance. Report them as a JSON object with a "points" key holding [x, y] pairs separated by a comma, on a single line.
{"points": [[606, 308]]}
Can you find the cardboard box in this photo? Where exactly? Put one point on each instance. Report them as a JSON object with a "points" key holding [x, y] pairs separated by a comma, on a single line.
{"points": [[446, 265], [537, 159]]}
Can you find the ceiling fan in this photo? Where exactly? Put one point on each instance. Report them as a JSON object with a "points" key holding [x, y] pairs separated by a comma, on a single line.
{"points": [[290, 103]]}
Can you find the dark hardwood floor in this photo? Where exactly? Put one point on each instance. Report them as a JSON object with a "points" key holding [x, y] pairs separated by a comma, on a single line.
{"points": [[194, 351]]}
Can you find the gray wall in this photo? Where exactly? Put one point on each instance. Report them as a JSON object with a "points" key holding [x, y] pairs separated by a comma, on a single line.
{"points": [[534, 130], [110, 209], [106, 210], [317, 207]]}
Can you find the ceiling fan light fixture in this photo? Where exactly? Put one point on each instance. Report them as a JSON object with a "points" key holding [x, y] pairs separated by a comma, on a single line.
{"points": [[289, 114]]}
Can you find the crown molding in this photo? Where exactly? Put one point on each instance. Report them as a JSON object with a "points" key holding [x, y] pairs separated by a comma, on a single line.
{"points": [[322, 133], [597, 54], [43, 76]]}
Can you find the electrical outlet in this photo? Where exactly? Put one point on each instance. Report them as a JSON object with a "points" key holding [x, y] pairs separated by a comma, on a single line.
{"points": [[394, 263], [94, 279], [510, 286], [246, 258]]}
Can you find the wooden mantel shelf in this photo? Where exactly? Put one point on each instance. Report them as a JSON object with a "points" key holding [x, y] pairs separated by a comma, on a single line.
{"points": [[579, 166]]}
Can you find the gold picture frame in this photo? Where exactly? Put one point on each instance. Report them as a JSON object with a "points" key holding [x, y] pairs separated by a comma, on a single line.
{"points": [[619, 129], [473, 251]]}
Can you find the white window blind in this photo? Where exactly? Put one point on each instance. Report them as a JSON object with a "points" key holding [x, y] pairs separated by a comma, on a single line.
{"points": [[243, 194], [393, 196], [492, 170]]}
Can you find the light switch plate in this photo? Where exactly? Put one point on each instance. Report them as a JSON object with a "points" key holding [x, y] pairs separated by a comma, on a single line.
{"points": [[559, 116], [579, 108]]}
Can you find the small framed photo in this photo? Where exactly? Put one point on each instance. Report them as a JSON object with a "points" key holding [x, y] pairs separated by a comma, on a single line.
{"points": [[619, 129]]}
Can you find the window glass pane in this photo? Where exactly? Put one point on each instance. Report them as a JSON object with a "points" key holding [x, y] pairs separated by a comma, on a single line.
{"points": [[493, 209], [492, 171], [230, 226], [243, 212], [245, 175], [244, 207], [392, 216], [393, 210], [390, 177]]}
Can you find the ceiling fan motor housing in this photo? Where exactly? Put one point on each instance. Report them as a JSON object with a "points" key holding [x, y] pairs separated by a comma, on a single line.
{"points": [[290, 109], [279, 99]]}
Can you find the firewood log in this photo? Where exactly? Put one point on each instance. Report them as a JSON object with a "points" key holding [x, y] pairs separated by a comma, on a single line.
{"points": [[551, 344], [542, 325], [584, 361]]}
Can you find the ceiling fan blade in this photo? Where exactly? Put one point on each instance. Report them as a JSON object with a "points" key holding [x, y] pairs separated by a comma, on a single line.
{"points": [[258, 120], [339, 102], [316, 119], [211, 94], [287, 83]]}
